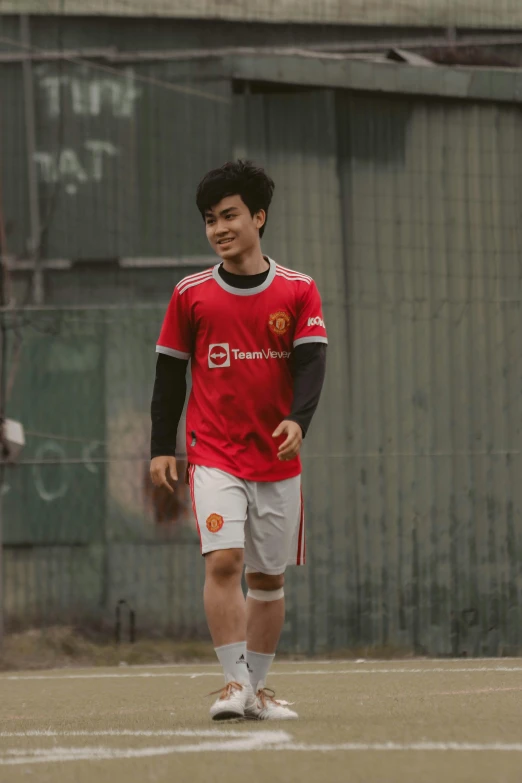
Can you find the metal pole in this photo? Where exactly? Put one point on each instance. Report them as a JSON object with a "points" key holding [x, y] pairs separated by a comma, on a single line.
{"points": [[3, 374], [30, 143], [2, 473]]}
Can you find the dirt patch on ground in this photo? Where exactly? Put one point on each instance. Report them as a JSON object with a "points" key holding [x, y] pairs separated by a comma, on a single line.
{"points": [[60, 646], [65, 646]]}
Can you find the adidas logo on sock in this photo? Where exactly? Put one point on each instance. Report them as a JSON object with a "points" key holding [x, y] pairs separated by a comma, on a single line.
{"points": [[243, 660]]}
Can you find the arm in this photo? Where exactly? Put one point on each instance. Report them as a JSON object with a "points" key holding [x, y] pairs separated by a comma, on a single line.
{"points": [[309, 372], [168, 399], [310, 343], [174, 350]]}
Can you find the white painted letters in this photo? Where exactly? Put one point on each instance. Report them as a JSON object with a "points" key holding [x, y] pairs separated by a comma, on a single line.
{"points": [[75, 168], [98, 149], [88, 95], [85, 94]]}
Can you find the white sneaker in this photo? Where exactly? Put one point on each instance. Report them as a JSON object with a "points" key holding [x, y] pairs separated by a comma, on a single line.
{"points": [[266, 707], [232, 701]]}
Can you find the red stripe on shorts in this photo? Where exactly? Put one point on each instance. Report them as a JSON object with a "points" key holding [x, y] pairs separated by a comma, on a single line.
{"points": [[192, 469], [301, 545]]}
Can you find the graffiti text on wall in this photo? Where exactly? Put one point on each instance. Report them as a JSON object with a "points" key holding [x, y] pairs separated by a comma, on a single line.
{"points": [[85, 95]]}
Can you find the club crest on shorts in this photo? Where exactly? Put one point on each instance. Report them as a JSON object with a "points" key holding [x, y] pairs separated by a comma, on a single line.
{"points": [[279, 322], [215, 522]]}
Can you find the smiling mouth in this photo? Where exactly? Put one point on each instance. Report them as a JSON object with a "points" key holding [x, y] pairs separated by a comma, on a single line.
{"points": [[226, 241]]}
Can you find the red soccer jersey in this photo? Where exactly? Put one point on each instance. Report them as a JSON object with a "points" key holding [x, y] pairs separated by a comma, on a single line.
{"points": [[240, 343]]}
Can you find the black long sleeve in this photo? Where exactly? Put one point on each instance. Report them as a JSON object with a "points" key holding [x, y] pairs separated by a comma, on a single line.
{"points": [[309, 368], [168, 399]]}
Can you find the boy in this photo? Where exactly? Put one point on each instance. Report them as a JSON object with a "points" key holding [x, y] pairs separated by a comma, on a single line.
{"points": [[256, 338]]}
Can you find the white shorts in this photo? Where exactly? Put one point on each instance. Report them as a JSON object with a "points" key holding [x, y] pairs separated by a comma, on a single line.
{"points": [[266, 519]]}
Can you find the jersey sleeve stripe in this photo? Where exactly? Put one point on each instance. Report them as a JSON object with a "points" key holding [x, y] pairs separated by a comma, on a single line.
{"points": [[172, 352], [192, 278], [293, 273], [314, 339], [294, 279], [195, 282]]}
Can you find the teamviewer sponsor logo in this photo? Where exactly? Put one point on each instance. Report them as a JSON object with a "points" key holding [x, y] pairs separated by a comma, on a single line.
{"points": [[219, 355]]}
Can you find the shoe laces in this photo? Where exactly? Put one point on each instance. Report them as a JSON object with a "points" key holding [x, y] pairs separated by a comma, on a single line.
{"points": [[228, 690], [266, 695]]}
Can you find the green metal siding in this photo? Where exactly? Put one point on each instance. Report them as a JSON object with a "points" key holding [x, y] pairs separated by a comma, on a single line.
{"points": [[433, 248], [13, 162], [58, 495]]}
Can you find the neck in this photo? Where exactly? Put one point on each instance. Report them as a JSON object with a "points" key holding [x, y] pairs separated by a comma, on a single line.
{"points": [[251, 263]]}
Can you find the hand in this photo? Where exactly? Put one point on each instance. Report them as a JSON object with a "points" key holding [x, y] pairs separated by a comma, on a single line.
{"points": [[289, 448], [163, 472]]}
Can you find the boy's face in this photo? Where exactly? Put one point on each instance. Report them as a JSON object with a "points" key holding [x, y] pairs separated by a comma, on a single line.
{"points": [[231, 230]]}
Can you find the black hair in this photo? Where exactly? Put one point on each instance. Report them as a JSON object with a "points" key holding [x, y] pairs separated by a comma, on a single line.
{"points": [[236, 178]]}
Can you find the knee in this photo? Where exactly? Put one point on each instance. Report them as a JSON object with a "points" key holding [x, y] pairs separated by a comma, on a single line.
{"points": [[224, 565], [268, 582]]}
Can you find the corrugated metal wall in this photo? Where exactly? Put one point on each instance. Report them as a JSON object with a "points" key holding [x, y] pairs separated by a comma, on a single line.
{"points": [[406, 212], [431, 195]]}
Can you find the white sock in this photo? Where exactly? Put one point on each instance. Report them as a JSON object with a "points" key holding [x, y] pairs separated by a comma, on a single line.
{"points": [[232, 658], [258, 667]]}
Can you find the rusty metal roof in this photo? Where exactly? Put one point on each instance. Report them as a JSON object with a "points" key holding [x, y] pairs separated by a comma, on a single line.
{"points": [[415, 13]]}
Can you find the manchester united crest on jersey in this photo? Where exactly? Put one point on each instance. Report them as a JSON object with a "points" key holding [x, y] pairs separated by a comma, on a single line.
{"points": [[215, 522], [279, 322]]}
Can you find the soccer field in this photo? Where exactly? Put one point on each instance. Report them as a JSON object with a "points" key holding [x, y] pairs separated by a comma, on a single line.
{"points": [[390, 722]]}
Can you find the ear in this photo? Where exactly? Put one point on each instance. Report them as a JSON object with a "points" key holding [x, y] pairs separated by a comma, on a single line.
{"points": [[260, 219]]}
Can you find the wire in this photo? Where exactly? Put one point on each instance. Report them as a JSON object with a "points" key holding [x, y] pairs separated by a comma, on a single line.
{"points": [[54, 436], [116, 71]]}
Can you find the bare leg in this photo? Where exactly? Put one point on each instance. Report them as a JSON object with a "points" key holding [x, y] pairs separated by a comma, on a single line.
{"points": [[223, 597], [264, 625], [264, 619]]}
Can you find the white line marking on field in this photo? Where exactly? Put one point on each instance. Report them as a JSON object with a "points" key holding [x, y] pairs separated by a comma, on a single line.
{"points": [[408, 746], [290, 673], [129, 733], [447, 662], [472, 691], [249, 741]]}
